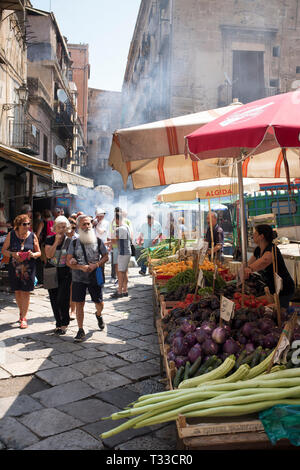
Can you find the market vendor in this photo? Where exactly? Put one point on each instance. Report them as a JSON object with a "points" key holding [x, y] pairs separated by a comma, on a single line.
{"points": [[218, 235], [262, 261]]}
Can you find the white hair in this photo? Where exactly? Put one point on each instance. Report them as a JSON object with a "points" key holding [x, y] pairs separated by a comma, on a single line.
{"points": [[61, 219], [80, 217]]}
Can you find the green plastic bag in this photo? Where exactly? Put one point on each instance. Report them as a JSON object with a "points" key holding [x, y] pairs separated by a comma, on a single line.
{"points": [[282, 422]]}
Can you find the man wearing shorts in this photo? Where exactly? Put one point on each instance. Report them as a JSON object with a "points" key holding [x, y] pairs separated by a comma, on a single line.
{"points": [[123, 238], [85, 254]]}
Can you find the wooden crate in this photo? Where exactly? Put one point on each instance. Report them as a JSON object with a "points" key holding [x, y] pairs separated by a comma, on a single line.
{"points": [[235, 433], [165, 307], [164, 349]]}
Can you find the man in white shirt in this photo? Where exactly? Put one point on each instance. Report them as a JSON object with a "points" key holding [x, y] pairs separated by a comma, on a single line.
{"points": [[101, 226], [150, 235]]}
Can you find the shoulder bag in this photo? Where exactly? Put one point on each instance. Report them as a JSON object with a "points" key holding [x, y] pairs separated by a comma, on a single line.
{"points": [[50, 277], [132, 247], [96, 276]]}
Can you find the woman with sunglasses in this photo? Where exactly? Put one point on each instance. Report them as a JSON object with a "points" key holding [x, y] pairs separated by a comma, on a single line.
{"points": [[22, 247]]}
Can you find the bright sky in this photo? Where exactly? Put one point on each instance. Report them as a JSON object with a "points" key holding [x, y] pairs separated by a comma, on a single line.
{"points": [[107, 26]]}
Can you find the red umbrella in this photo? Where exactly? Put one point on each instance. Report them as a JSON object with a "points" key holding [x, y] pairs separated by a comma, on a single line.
{"points": [[254, 127]]}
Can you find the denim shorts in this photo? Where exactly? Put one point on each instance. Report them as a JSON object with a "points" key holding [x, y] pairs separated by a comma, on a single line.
{"points": [[79, 292]]}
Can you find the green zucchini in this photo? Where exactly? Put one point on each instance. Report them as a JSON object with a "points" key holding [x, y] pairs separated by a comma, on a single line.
{"points": [[255, 359], [186, 370], [204, 367], [248, 358], [263, 356], [178, 377], [240, 359], [195, 367], [217, 363]]}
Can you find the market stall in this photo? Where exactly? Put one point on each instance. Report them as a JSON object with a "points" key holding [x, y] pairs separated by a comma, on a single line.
{"points": [[222, 362], [224, 343]]}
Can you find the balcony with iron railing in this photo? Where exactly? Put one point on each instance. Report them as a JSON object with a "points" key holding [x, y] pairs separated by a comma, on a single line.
{"points": [[25, 137], [63, 122]]}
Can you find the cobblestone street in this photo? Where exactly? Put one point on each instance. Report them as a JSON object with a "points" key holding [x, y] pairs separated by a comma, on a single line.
{"points": [[54, 392]]}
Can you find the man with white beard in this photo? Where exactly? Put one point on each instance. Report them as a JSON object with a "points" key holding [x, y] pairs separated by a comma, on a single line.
{"points": [[85, 255]]}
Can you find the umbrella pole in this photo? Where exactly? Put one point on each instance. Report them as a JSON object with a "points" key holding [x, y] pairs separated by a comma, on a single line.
{"points": [[242, 214], [199, 216], [211, 233], [242, 224]]}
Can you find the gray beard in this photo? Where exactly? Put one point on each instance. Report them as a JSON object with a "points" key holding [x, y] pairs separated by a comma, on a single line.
{"points": [[87, 238]]}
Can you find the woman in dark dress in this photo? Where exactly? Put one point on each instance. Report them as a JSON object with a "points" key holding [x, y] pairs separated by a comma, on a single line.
{"points": [[21, 246], [262, 261], [56, 247]]}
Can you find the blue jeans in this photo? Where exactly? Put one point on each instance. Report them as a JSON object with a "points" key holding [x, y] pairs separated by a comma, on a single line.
{"points": [[143, 267]]}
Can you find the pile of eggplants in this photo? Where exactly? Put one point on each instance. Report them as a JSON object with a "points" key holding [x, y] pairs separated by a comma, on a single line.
{"points": [[194, 332]]}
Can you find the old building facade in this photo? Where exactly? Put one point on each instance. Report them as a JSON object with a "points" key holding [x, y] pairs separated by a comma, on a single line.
{"points": [[41, 137], [79, 73], [104, 117], [197, 54]]}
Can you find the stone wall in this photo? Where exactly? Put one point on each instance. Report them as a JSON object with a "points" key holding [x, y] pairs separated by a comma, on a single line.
{"points": [[201, 53]]}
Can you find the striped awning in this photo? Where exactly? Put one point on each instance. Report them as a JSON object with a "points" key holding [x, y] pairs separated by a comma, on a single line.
{"points": [[153, 154]]}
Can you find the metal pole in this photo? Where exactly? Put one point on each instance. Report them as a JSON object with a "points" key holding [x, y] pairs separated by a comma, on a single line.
{"points": [[242, 214]]}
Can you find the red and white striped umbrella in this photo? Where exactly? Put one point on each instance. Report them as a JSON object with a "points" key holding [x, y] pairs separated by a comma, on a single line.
{"points": [[153, 154]]}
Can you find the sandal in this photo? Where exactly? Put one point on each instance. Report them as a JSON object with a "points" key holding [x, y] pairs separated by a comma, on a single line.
{"points": [[60, 331], [23, 323]]}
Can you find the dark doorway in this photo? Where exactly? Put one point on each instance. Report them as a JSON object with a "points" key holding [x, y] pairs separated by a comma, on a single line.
{"points": [[248, 82]]}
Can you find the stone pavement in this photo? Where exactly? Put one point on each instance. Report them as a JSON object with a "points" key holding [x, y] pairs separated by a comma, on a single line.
{"points": [[54, 392]]}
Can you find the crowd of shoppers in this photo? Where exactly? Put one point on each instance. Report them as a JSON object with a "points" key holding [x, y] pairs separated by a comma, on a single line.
{"points": [[66, 255]]}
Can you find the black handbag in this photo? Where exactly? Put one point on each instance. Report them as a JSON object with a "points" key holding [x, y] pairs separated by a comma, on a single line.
{"points": [[133, 252]]}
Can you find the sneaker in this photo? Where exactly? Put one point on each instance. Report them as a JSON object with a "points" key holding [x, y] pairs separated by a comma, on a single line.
{"points": [[116, 295], [80, 336], [23, 323], [100, 321], [142, 273]]}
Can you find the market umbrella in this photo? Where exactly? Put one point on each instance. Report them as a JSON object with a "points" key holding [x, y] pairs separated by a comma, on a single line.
{"points": [[208, 189], [268, 125], [153, 154]]}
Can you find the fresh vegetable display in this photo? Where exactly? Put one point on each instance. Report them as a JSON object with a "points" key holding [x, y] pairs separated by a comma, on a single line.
{"points": [[161, 250], [214, 395], [216, 368], [193, 333], [171, 269]]}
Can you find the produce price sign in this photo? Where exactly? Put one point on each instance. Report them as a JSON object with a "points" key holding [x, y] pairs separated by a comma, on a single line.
{"points": [[281, 347], [200, 278], [203, 253], [278, 283], [226, 309]]}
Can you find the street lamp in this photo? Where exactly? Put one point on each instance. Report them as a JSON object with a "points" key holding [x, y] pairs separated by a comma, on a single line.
{"points": [[22, 91]]}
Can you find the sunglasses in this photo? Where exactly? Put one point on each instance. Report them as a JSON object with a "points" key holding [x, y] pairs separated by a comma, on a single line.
{"points": [[86, 223], [25, 224]]}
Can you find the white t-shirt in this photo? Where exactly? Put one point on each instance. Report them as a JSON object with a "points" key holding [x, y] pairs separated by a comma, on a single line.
{"points": [[101, 230]]}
